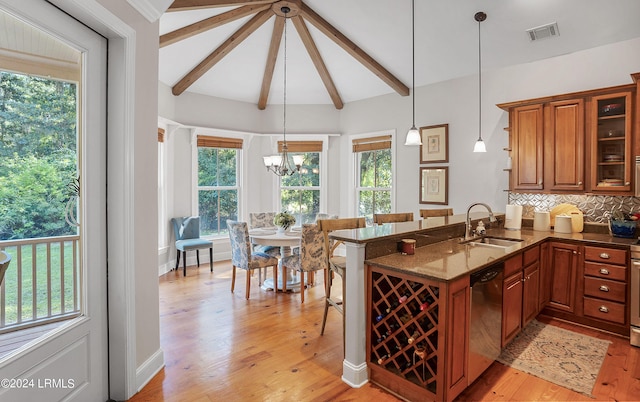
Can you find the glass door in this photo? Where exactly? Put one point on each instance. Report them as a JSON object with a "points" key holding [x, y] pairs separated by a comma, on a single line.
{"points": [[611, 148]]}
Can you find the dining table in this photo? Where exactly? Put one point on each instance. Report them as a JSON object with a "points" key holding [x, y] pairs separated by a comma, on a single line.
{"points": [[286, 241]]}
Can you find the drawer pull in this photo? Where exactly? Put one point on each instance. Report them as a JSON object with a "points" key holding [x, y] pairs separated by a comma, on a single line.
{"points": [[604, 271], [604, 288], [604, 256], [603, 309]]}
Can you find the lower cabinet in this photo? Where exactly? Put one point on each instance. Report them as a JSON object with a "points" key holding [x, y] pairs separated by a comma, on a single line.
{"points": [[563, 271], [588, 285], [520, 292], [417, 334]]}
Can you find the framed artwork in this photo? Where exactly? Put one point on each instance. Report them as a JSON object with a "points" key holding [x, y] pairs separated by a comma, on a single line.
{"points": [[434, 185], [435, 144]]}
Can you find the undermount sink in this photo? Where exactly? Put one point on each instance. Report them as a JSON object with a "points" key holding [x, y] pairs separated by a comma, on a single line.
{"points": [[488, 241]]}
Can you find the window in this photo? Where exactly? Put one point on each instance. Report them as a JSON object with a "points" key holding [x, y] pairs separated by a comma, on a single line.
{"points": [[218, 184], [374, 175], [300, 193], [162, 192]]}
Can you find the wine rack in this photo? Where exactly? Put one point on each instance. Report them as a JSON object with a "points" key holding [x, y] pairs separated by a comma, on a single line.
{"points": [[404, 328]]}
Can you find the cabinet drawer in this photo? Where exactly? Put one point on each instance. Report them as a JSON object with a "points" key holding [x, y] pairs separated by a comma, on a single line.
{"points": [[605, 271], [531, 256], [604, 310], [608, 255], [605, 289], [513, 265]]}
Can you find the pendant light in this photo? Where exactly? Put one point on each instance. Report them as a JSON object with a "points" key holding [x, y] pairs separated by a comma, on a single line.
{"points": [[280, 164], [479, 146], [413, 136]]}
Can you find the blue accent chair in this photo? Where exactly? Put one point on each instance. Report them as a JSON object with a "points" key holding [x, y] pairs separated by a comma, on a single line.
{"points": [[187, 232]]}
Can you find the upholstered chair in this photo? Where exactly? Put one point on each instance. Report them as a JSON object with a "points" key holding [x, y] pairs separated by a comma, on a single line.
{"points": [[243, 257], [187, 232], [312, 257]]}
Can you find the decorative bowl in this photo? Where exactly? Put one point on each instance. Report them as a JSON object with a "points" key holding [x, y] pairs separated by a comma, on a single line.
{"points": [[611, 109], [626, 229]]}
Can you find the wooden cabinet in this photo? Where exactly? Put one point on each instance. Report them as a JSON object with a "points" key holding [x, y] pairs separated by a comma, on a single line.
{"points": [[520, 292], [527, 147], [605, 284], [564, 145], [563, 269], [512, 299], [574, 143], [417, 334], [611, 142]]}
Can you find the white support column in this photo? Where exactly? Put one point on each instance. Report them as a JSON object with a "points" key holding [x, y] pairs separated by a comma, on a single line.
{"points": [[354, 366]]}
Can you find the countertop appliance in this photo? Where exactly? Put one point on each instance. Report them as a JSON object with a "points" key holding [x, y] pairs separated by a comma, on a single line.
{"points": [[486, 319], [635, 294]]}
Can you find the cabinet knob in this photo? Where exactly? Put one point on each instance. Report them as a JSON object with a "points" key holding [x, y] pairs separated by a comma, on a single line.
{"points": [[603, 309], [604, 256], [604, 271], [627, 183], [604, 288], [540, 181], [579, 183]]}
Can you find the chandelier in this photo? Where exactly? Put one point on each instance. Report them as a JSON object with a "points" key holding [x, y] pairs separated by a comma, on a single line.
{"points": [[280, 164]]}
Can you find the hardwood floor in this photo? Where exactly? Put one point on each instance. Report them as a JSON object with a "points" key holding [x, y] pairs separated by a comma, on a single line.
{"points": [[220, 347]]}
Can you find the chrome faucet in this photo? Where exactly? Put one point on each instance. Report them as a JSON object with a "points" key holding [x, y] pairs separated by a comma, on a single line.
{"points": [[467, 232]]}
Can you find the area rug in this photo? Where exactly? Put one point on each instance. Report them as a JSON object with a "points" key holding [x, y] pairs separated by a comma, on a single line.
{"points": [[562, 357]]}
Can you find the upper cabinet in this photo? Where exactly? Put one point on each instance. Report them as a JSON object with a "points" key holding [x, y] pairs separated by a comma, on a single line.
{"points": [[611, 142], [574, 143]]}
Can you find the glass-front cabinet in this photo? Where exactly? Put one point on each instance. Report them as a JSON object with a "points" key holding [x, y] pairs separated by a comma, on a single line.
{"points": [[611, 145]]}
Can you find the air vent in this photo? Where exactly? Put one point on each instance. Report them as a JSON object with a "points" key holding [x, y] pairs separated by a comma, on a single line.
{"points": [[544, 31]]}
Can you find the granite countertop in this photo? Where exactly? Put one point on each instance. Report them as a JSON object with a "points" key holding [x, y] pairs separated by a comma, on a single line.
{"points": [[450, 259]]}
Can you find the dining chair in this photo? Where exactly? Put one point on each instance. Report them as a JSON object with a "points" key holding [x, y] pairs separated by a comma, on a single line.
{"points": [[428, 213], [242, 255], [5, 259], [336, 263], [394, 217], [259, 220], [187, 232], [312, 257]]}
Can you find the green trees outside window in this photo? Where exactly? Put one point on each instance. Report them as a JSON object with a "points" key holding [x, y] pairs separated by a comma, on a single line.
{"points": [[300, 193], [374, 183], [217, 189], [38, 155]]}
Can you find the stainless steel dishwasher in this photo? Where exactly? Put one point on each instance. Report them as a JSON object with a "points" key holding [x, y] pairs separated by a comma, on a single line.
{"points": [[486, 319]]}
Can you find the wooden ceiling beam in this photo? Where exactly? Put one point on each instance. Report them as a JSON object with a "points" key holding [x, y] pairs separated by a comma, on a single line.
{"points": [[341, 40], [312, 49], [276, 38], [224, 49], [210, 23], [184, 5]]}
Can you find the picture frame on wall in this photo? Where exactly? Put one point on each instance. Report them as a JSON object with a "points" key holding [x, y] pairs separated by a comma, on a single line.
{"points": [[435, 144], [434, 185]]}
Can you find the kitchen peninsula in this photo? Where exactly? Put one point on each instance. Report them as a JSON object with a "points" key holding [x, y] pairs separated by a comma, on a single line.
{"points": [[437, 275]]}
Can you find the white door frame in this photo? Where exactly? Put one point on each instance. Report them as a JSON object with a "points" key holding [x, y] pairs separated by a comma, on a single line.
{"points": [[71, 361]]}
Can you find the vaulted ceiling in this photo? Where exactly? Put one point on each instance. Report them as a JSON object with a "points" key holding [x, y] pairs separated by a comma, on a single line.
{"points": [[340, 51]]}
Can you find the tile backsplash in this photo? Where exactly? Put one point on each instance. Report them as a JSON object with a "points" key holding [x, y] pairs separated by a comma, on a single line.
{"points": [[596, 208]]}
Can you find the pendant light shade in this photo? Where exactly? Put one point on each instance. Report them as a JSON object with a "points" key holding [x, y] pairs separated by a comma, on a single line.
{"points": [[413, 136], [479, 146]]}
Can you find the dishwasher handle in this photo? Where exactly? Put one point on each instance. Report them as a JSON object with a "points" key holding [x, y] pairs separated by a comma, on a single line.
{"points": [[486, 275]]}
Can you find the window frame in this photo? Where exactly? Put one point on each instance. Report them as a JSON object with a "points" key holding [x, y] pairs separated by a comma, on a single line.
{"points": [[355, 177], [323, 160], [240, 169]]}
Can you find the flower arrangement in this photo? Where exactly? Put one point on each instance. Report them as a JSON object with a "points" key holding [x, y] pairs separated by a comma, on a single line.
{"points": [[284, 220]]}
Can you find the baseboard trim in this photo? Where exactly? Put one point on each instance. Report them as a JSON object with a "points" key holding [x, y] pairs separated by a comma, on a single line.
{"points": [[149, 369]]}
